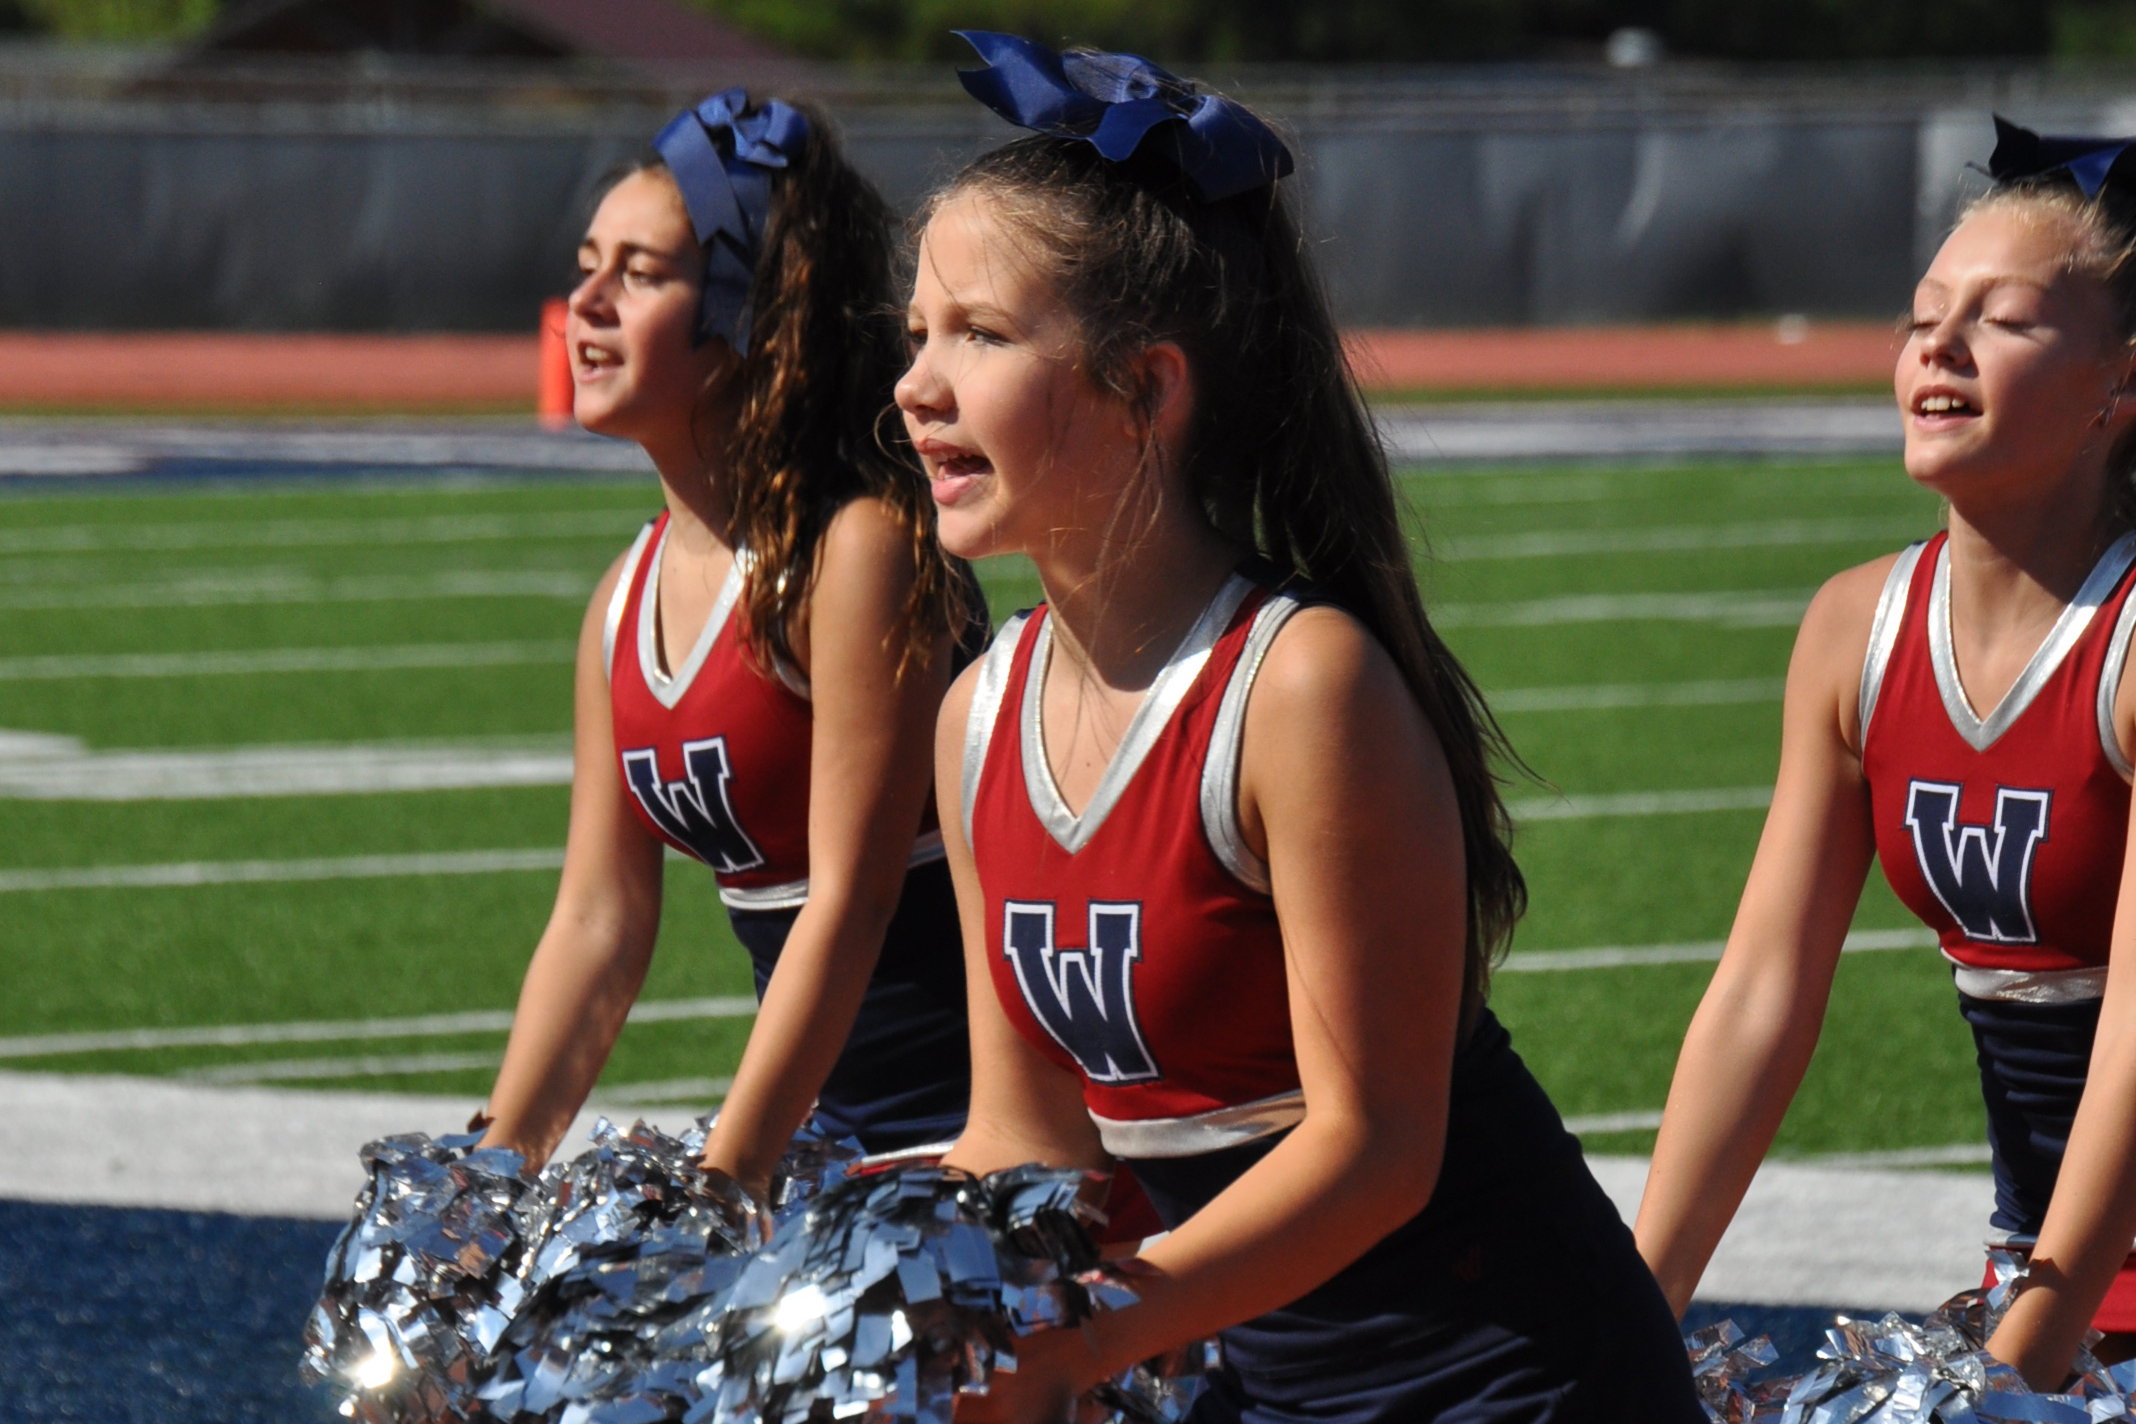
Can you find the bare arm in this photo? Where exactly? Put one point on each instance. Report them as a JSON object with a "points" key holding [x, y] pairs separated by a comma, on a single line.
{"points": [[592, 958], [1757, 1025], [869, 774], [2092, 1217], [1366, 857], [1025, 1108]]}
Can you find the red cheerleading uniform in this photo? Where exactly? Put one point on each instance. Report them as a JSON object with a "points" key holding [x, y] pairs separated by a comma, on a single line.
{"points": [[2006, 835], [715, 760], [1113, 936], [1137, 945], [714, 753]]}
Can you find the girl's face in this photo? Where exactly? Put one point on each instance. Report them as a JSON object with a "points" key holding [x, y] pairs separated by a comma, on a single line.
{"points": [[2012, 367], [636, 368], [1020, 448]]}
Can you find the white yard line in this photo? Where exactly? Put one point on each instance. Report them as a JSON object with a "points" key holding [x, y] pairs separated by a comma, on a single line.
{"points": [[279, 586], [1640, 803], [1591, 697], [1680, 538], [370, 532], [1597, 1123], [1749, 608], [59, 667], [249, 872], [1561, 961], [45, 768], [298, 1070], [56, 1045]]}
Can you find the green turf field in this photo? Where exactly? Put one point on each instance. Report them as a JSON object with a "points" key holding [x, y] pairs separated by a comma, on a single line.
{"points": [[1567, 590]]}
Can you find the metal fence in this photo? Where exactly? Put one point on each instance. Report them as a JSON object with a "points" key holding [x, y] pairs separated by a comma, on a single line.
{"points": [[417, 198]]}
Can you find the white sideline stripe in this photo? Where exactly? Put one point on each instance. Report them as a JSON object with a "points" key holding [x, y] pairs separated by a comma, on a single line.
{"points": [[1885, 1239], [1558, 961], [58, 667], [45, 768], [55, 1045], [318, 533], [1754, 608], [1597, 696], [1678, 538], [1596, 1123], [1816, 1232], [247, 872], [279, 586], [666, 1090], [1640, 803]]}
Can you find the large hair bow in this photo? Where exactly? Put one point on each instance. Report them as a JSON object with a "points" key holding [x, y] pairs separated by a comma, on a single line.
{"points": [[729, 195], [2020, 153], [1117, 103]]}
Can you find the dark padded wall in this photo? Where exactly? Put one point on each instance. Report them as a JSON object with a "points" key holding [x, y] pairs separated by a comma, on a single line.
{"points": [[136, 221]]}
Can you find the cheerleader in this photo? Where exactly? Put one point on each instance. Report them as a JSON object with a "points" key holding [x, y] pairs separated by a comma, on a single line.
{"points": [[1230, 858], [759, 673], [1958, 712]]}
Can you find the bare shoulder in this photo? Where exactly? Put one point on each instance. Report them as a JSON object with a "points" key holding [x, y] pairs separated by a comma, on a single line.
{"points": [[1323, 656], [1835, 628], [604, 593], [868, 531]]}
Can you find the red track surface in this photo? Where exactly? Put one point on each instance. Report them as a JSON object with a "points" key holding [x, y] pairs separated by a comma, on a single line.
{"points": [[229, 371]]}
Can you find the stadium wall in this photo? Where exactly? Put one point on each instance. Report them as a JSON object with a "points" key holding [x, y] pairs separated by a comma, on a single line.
{"points": [[154, 214]]}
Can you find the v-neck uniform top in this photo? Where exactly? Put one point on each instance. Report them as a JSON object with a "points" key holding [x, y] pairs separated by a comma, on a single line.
{"points": [[1137, 943], [2004, 834]]}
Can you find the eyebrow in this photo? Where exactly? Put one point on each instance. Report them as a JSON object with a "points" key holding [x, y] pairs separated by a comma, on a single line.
{"points": [[635, 249]]}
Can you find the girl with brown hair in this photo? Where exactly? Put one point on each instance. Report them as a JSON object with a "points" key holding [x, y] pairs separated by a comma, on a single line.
{"points": [[759, 673]]}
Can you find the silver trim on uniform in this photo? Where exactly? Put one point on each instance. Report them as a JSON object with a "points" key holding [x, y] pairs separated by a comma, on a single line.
{"points": [[2031, 986], [1071, 832], [667, 689], [620, 595], [1981, 734], [793, 894], [1204, 1132], [987, 692], [1220, 769], [2117, 657], [1884, 633]]}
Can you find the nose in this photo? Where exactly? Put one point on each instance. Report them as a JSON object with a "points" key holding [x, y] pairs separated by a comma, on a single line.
{"points": [[1942, 344], [591, 299], [921, 393]]}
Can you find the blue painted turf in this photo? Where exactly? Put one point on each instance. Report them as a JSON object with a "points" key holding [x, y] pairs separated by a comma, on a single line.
{"points": [[122, 1316], [125, 1316]]}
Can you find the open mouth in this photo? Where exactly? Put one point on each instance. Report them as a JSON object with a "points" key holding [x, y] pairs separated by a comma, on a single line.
{"points": [[1945, 403], [593, 359]]}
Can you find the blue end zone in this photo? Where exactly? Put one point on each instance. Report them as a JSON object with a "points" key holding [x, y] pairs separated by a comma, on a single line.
{"points": [[124, 1316]]}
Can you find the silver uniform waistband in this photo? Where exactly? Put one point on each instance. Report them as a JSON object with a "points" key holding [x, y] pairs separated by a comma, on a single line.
{"points": [[2031, 986], [794, 893], [1204, 1132]]}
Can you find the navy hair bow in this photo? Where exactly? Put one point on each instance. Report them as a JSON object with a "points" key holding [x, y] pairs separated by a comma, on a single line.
{"points": [[2021, 153], [728, 196], [1115, 102]]}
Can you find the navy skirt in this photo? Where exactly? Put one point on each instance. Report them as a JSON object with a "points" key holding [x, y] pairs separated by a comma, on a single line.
{"points": [[2033, 1062], [905, 1077], [1515, 1297]]}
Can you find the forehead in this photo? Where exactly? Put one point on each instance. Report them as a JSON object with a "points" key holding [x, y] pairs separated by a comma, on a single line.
{"points": [[2017, 243], [968, 254], [646, 210]]}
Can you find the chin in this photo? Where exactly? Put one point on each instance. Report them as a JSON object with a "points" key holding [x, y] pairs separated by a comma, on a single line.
{"points": [[966, 534]]}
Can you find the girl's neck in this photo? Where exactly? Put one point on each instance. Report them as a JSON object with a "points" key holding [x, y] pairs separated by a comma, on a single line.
{"points": [[2009, 558], [1117, 613], [694, 478]]}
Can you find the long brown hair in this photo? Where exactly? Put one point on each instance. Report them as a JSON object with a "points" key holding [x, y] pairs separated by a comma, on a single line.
{"points": [[826, 347], [1282, 454]]}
